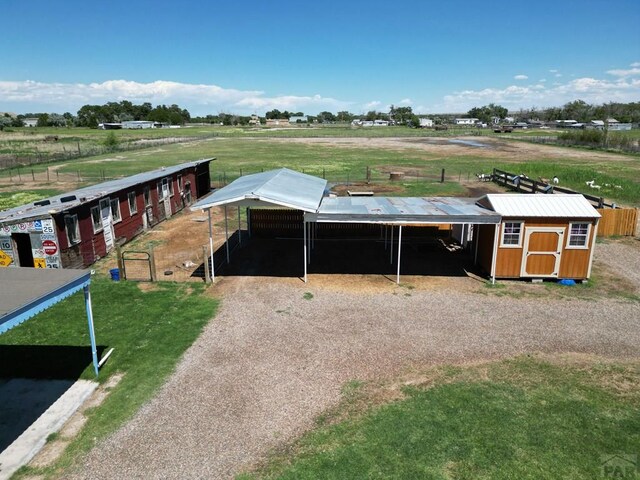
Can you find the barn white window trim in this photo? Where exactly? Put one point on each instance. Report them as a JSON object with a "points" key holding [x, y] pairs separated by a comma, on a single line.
{"points": [[170, 182], [179, 181], [511, 236], [133, 205], [115, 210], [96, 219], [578, 238], [72, 228]]}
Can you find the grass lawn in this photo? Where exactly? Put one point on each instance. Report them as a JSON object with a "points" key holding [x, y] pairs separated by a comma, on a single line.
{"points": [[238, 154], [148, 330], [15, 199], [527, 418]]}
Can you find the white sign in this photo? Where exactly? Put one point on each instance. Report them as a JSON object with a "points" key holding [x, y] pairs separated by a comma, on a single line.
{"points": [[107, 226], [47, 226]]}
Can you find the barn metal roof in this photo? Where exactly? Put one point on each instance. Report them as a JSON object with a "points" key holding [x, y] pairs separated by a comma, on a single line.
{"points": [[88, 194], [559, 205], [403, 210], [282, 187]]}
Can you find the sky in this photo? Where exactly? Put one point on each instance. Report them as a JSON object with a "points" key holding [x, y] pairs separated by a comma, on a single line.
{"points": [[252, 56]]}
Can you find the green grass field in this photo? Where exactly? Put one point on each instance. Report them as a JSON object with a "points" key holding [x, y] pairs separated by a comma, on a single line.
{"points": [[527, 418], [148, 330]]}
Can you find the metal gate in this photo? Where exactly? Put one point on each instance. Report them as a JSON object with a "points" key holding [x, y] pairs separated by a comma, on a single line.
{"points": [[138, 265]]}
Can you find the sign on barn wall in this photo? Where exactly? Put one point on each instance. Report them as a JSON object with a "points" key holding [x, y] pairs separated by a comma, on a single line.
{"points": [[43, 240]]}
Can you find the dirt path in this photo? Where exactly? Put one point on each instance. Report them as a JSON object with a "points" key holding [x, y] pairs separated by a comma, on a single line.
{"points": [[272, 361]]}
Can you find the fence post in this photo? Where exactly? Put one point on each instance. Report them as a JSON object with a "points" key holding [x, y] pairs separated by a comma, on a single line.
{"points": [[33, 175], [152, 264], [47, 174], [442, 176], [120, 263], [207, 274]]}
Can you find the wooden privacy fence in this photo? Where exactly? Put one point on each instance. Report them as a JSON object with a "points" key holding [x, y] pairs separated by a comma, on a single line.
{"points": [[617, 221]]}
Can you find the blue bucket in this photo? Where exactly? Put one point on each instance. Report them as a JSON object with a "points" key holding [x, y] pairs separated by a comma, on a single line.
{"points": [[115, 274]]}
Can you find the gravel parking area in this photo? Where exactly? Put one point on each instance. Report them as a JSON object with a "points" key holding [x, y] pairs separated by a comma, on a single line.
{"points": [[273, 360]]}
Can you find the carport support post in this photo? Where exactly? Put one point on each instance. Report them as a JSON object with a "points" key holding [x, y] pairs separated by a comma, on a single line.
{"points": [[495, 254], [92, 335], [239, 229], [391, 247], [386, 228], [213, 273], [399, 245], [304, 248], [476, 237], [226, 231]]}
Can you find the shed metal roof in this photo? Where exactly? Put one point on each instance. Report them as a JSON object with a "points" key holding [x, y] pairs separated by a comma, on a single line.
{"points": [[560, 205], [88, 194], [282, 187], [403, 210]]}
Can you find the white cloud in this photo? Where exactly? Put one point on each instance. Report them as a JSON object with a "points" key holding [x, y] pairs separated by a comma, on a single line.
{"points": [[371, 105], [631, 72], [520, 77], [405, 101], [542, 80], [635, 64], [558, 75], [589, 89], [197, 98], [553, 71]]}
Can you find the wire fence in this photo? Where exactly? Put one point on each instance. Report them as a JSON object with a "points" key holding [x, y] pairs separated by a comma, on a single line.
{"points": [[78, 150]]}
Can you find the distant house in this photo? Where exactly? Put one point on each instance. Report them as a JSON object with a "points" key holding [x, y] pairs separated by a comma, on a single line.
{"points": [[275, 122], [30, 122], [465, 121], [426, 123], [565, 123], [380, 123], [255, 120], [509, 120], [616, 126], [137, 124], [74, 229]]}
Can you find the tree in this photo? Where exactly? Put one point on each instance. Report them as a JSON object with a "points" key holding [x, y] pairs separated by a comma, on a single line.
{"points": [[344, 116], [400, 115], [43, 120], [326, 117], [5, 121], [487, 112]]}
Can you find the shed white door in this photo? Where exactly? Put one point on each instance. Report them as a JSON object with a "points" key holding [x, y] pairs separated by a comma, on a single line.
{"points": [[542, 251]]}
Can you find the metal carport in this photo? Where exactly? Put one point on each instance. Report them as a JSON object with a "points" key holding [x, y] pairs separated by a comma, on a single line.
{"points": [[275, 188], [402, 211], [28, 291]]}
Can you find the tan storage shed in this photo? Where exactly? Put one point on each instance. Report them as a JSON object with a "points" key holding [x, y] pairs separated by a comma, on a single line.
{"points": [[540, 236]]}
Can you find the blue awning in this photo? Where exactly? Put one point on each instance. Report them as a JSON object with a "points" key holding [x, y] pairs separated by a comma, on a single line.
{"points": [[27, 292]]}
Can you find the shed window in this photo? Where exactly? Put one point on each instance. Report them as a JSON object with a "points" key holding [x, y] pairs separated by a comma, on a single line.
{"points": [[147, 196], [179, 179], [133, 207], [73, 229], [96, 219], [511, 234], [115, 210], [578, 235], [170, 182]]}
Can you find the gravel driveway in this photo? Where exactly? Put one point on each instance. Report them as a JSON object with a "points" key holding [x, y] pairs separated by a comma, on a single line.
{"points": [[272, 361]]}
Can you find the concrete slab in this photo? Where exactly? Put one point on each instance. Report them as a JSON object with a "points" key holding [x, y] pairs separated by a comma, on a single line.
{"points": [[49, 402]]}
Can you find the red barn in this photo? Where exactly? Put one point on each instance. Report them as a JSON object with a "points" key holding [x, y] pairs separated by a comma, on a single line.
{"points": [[75, 229]]}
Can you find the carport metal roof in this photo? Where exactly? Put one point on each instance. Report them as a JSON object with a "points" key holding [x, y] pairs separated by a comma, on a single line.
{"points": [[282, 187], [402, 211], [28, 291]]}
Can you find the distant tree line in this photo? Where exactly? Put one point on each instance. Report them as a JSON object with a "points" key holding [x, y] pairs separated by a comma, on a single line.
{"points": [[582, 112], [92, 115]]}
